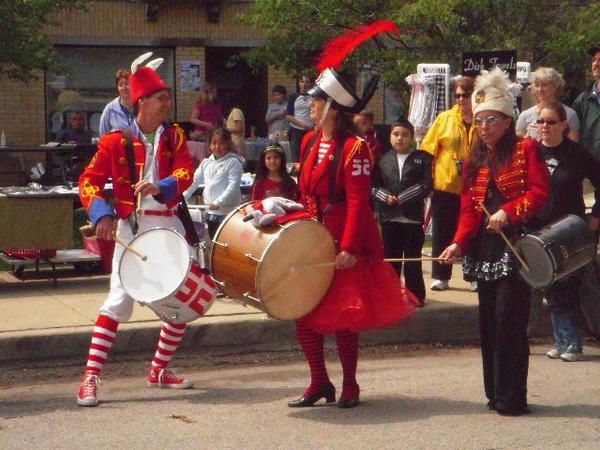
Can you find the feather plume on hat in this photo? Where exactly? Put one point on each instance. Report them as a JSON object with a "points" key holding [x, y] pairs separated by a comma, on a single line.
{"points": [[332, 85], [493, 92]]}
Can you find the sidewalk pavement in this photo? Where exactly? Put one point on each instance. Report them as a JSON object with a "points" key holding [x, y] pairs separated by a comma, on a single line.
{"points": [[42, 320]]}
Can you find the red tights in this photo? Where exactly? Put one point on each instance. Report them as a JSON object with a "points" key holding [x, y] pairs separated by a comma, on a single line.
{"points": [[312, 344]]}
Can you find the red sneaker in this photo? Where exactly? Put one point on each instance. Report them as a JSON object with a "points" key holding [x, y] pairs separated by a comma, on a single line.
{"points": [[87, 390], [166, 379]]}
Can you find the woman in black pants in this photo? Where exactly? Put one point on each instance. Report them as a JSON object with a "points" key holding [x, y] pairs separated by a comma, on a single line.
{"points": [[506, 178]]}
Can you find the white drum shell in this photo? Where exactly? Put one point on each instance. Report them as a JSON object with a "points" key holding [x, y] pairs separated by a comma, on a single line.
{"points": [[169, 281]]}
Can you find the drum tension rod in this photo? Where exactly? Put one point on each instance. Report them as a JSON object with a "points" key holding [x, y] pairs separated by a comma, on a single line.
{"points": [[249, 256]]}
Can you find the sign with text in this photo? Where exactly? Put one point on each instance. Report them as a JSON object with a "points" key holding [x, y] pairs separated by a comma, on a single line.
{"points": [[475, 62]]}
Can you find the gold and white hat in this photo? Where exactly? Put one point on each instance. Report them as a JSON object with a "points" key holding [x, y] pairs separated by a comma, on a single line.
{"points": [[493, 92]]}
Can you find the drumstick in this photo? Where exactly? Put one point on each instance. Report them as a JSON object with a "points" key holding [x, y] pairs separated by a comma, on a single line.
{"points": [[130, 248], [139, 196], [512, 247], [310, 266], [425, 258]]}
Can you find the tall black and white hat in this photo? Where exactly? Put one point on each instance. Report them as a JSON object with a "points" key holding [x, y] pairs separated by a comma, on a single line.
{"points": [[331, 84]]}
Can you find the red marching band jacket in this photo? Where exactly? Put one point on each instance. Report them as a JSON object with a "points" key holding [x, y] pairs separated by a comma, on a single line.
{"points": [[525, 183], [175, 168], [348, 216]]}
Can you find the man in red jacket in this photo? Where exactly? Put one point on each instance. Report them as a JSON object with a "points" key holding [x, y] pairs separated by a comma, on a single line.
{"points": [[163, 169]]}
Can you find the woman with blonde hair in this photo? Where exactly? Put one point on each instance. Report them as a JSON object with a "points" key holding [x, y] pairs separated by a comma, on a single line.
{"points": [[548, 86]]}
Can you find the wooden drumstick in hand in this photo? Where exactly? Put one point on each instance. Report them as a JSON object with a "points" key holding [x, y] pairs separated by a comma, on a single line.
{"points": [[139, 196], [510, 245], [130, 248]]}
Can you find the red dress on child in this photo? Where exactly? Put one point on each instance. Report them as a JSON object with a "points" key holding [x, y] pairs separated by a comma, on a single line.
{"points": [[369, 294], [265, 187]]}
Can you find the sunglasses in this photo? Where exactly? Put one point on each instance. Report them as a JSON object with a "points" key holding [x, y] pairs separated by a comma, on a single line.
{"points": [[457, 96], [547, 122], [489, 121]]}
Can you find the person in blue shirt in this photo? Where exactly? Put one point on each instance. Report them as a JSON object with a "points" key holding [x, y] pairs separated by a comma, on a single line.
{"points": [[118, 114]]}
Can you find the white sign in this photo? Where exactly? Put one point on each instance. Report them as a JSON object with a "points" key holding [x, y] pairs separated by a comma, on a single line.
{"points": [[190, 76]]}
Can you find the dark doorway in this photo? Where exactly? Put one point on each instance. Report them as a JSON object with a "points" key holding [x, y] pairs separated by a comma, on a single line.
{"points": [[238, 86]]}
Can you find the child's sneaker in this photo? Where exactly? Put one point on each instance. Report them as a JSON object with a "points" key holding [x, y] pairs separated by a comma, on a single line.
{"points": [[554, 353], [167, 379], [572, 355], [87, 390]]}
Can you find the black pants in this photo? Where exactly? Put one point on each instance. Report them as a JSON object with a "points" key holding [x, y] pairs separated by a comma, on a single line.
{"points": [[503, 315], [445, 208], [213, 221], [296, 136], [405, 240]]}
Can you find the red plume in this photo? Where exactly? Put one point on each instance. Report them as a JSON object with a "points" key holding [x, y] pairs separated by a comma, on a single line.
{"points": [[337, 49]]}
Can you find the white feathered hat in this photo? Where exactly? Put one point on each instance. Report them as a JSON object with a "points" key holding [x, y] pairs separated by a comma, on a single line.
{"points": [[493, 92]]}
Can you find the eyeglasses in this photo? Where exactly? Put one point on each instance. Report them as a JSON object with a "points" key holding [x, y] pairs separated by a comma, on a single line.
{"points": [[457, 96], [547, 122], [489, 121]]}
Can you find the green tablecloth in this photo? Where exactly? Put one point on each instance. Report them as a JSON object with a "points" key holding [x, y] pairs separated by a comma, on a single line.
{"points": [[36, 223]]}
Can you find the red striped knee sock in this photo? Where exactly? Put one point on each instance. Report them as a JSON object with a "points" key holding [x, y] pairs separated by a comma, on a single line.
{"points": [[347, 344], [171, 335], [312, 346], [102, 339]]}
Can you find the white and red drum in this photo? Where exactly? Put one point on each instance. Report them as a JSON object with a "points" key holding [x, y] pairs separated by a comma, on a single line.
{"points": [[169, 281]]}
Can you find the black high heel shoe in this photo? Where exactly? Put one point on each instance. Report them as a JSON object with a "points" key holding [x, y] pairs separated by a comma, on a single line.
{"points": [[327, 392], [350, 402]]}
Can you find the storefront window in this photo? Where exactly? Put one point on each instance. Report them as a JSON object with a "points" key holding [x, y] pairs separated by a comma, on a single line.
{"points": [[89, 83]]}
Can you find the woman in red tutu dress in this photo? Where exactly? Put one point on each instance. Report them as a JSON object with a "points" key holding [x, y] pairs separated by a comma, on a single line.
{"points": [[335, 187]]}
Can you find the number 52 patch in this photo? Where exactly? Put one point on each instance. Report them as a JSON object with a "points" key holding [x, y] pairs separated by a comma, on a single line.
{"points": [[361, 167]]}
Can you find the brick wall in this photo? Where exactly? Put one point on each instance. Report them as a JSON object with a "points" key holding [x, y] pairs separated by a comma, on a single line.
{"points": [[186, 100], [22, 111]]}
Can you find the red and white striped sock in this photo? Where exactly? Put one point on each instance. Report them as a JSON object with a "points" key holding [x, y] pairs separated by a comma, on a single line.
{"points": [[171, 335], [102, 339]]}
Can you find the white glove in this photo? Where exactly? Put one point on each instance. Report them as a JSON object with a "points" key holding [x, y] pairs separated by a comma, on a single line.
{"points": [[272, 208]]}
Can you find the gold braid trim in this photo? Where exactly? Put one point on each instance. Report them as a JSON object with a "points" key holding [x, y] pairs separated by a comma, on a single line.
{"points": [[181, 173], [179, 136], [354, 151], [90, 190]]}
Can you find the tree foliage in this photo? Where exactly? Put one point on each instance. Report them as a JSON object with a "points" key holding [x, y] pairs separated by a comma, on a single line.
{"points": [[545, 33], [25, 46]]}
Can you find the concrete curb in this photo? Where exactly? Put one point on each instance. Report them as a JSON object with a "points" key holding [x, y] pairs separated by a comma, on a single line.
{"points": [[436, 322]]}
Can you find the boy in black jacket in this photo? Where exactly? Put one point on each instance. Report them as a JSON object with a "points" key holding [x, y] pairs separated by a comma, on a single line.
{"points": [[402, 181]]}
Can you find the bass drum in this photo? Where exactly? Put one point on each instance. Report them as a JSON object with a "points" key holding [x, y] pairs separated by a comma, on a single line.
{"points": [[284, 270], [556, 250]]}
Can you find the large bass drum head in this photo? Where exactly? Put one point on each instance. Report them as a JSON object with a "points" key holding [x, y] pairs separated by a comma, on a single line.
{"points": [[541, 267], [162, 273], [294, 274]]}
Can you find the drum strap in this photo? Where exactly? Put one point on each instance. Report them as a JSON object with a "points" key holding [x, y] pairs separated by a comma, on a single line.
{"points": [[132, 219], [182, 208]]}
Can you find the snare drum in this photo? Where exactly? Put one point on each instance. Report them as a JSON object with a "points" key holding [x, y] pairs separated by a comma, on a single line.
{"points": [[170, 281], [556, 250], [284, 270]]}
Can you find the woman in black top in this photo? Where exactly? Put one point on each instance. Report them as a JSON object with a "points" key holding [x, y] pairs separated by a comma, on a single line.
{"points": [[568, 163]]}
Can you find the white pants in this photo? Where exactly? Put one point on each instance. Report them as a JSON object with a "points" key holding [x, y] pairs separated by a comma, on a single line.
{"points": [[119, 306]]}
